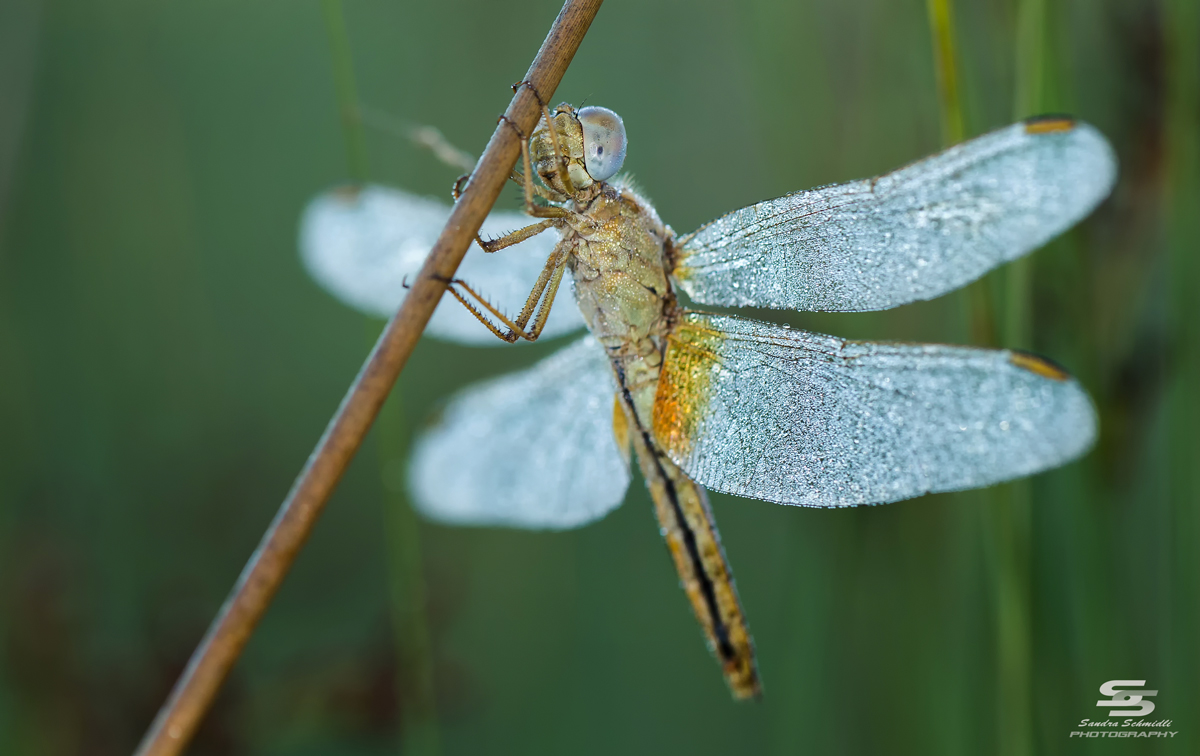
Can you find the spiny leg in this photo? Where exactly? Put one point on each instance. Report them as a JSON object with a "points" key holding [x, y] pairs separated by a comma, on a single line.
{"points": [[516, 237], [558, 151], [550, 277], [512, 237], [544, 310], [509, 337], [457, 190], [543, 211], [553, 263], [544, 192], [531, 208], [515, 331], [552, 272], [429, 136]]}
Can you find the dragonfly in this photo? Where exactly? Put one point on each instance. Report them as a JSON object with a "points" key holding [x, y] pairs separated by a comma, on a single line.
{"points": [[704, 401]]}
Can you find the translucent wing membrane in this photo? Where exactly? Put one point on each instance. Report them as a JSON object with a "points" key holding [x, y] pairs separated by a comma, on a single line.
{"points": [[915, 233], [794, 417], [533, 449], [360, 244]]}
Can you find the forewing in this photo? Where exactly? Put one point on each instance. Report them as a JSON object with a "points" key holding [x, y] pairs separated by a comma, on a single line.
{"points": [[794, 417], [912, 234], [361, 244], [533, 449]]}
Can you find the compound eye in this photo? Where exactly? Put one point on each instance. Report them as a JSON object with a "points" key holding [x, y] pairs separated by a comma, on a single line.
{"points": [[603, 141]]}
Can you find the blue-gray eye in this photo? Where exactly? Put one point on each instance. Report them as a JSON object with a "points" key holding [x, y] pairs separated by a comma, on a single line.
{"points": [[603, 141]]}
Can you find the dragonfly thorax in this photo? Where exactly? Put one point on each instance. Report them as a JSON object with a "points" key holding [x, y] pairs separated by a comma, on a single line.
{"points": [[621, 285]]}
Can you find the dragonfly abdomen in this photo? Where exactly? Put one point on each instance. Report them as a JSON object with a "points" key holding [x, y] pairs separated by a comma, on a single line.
{"points": [[690, 530]]}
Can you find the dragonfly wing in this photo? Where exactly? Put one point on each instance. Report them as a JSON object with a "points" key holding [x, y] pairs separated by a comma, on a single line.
{"points": [[912, 234], [794, 417], [361, 244], [534, 449]]}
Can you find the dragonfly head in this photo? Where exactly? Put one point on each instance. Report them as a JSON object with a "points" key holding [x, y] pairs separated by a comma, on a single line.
{"points": [[592, 139]]}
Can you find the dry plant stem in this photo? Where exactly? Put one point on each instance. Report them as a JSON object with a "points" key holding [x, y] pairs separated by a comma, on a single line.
{"points": [[1011, 531], [210, 663]]}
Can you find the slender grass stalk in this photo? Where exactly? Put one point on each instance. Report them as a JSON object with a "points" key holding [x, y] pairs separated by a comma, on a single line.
{"points": [[1010, 536], [1012, 503], [347, 92], [945, 61], [1009, 525], [1181, 26], [419, 733], [979, 313], [975, 299], [1028, 100]]}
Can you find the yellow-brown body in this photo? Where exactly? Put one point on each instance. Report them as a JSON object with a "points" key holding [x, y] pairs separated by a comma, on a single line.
{"points": [[616, 248]]}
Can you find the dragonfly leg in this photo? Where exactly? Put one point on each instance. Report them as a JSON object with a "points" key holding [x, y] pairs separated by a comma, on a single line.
{"points": [[515, 237], [548, 283], [450, 287], [544, 192], [558, 151], [544, 310], [532, 208]]}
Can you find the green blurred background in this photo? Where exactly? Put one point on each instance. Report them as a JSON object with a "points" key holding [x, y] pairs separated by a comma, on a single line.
{"points": [[166, 366]]}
